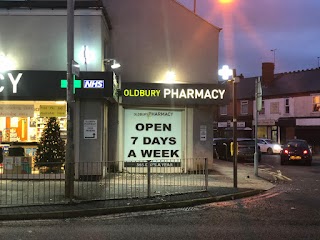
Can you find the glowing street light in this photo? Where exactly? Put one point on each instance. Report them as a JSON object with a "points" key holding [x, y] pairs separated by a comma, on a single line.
{"points": [[113, 63], [225, 1], [226, 73]]}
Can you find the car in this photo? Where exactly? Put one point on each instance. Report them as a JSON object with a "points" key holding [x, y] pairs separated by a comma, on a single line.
{"points": [[296, 150], [302, 140], [269, 146], [223, 149], [246, 149]]}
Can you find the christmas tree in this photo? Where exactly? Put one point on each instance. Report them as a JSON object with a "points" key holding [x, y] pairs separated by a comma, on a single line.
{"points": [[51, 150]]}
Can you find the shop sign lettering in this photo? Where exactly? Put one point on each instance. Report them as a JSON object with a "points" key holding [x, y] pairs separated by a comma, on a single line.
{"points": [[194, 93], [141, 93], [188, 93], [13, 79], [93, 84]]}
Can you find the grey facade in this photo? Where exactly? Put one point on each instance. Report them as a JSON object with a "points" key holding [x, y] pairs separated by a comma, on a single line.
{"points": [[146, 37]]}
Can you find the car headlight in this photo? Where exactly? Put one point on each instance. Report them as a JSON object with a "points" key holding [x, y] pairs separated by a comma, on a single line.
{"points": [[277, 147]]}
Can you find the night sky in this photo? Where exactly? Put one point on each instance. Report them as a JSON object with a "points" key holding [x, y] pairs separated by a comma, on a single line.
{"points": [[252, 28]]}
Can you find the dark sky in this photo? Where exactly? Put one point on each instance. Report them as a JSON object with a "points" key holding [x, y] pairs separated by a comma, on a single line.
{"points": [[252, 28]]}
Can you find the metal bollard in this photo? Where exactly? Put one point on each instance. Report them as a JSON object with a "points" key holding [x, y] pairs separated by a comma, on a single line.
{"points": [[149, 177], [206, 173]]}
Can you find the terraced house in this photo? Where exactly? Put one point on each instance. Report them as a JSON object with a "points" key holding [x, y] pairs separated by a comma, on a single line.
{"points": [[290, 106]]}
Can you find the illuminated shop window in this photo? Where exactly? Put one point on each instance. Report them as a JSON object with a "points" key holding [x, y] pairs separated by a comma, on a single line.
{"points": [[316, 103], [24, 121]]}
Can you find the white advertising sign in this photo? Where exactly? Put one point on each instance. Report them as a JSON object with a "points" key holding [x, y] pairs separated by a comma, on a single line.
{"points": [[203, 133], [152, 135], [90, 129]]}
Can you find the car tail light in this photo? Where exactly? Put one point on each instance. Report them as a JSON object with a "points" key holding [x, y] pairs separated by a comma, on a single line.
{"points": [[286, 151], [305, 152]]}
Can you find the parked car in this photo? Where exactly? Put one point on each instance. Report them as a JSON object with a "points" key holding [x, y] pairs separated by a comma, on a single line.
{"points": [[296, 150], [246, 149], [223, 149], [269, 146]]}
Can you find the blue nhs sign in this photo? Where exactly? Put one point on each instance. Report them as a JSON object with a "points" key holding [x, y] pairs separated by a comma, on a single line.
{"points": [[93, 83]]}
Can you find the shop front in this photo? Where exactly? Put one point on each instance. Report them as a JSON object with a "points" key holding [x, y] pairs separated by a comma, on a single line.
{"points": [[267, 128], [169, 125], [30, 98]]}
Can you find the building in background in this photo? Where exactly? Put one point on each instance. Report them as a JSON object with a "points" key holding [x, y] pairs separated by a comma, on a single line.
{"points": [[290, 107]]}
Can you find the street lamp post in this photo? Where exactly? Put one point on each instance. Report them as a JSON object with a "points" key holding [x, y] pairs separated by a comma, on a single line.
{"points": [[235, 79], [258, 98], [226, 72], [69, 178]]}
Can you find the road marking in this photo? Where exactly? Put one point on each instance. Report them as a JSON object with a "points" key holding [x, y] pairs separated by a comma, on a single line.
{"points": [[279, 175]]}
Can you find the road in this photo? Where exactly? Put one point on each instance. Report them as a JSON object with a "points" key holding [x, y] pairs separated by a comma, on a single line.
{"points": [[291, 210]]}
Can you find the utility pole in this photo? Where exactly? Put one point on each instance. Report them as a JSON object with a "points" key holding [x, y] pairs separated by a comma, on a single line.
{"points": [[194, 6], [258, 98], [69, 175], [235, 80], [274, 55], [318, 62]]}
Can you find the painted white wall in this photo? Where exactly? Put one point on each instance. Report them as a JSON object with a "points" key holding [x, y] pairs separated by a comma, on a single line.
{"points": [[301, 106], [150, 37], [37, 39], [274, 115]]}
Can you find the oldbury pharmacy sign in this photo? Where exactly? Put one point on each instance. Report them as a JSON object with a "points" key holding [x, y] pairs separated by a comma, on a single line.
{"points": [[153, 93]]}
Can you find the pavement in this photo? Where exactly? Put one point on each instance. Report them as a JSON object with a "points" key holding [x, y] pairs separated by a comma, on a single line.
{"points": [[220, 188]]}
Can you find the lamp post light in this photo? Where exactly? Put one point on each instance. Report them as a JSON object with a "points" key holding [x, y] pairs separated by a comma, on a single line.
{"points": [[112, 63], [226, 73]]}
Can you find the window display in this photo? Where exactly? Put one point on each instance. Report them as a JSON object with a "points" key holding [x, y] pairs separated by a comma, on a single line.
{"points": [[19, 124]]}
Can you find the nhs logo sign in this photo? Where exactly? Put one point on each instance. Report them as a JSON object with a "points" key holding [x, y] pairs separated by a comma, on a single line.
{"points": [[93, 83]]}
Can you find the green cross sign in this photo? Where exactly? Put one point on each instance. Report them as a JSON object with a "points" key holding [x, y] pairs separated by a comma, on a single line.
{"points": [[76, 83]]}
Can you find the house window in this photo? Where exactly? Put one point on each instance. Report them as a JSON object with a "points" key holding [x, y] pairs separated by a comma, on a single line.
{"points": [[244, 107], [262, 112], [316, 103], [287, 106], [223, 110]]}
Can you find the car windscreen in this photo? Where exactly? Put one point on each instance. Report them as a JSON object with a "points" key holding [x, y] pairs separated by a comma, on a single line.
{"points": [[296, 145], [246, 142]]}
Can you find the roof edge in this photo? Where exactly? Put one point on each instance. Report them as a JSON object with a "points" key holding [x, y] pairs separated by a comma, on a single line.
{"points": [[29, 4], [195, 14]]}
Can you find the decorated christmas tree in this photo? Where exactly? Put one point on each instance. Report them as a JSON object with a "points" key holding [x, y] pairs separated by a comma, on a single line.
{"points": [[50, 154]]}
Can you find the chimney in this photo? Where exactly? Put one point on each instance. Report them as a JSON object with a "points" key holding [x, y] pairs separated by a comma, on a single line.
{"points": [[267, 73]]}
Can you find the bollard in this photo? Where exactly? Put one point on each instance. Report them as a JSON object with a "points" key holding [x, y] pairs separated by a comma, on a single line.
{"points": [[149, 176], [206, 173]]}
